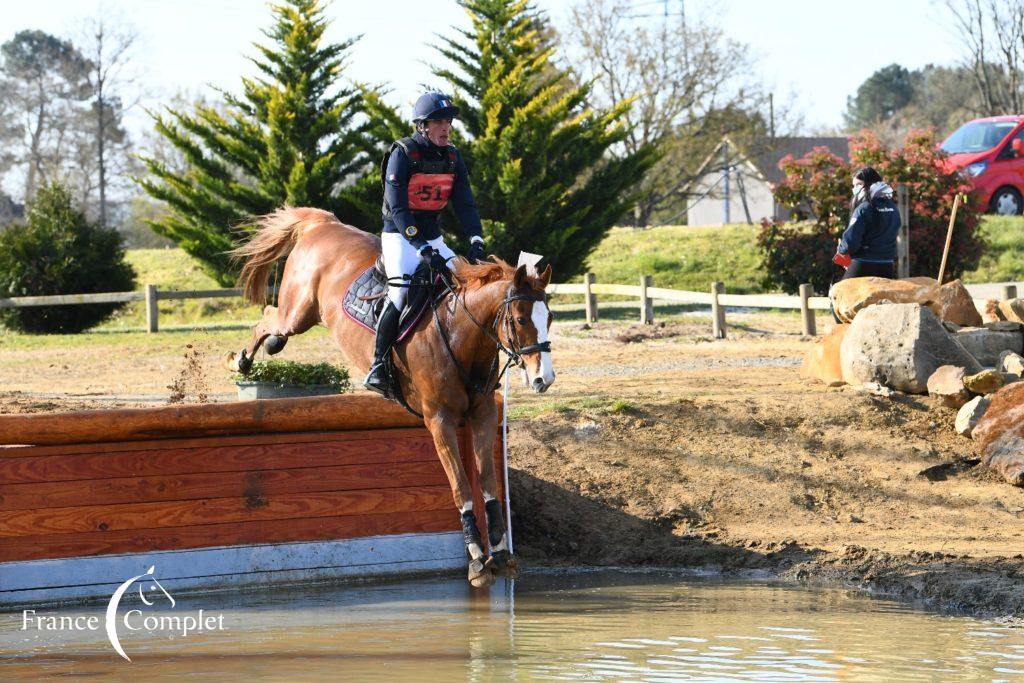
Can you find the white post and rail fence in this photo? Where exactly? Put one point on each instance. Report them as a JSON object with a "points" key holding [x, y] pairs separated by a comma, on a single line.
{"points": [[645, 293]]}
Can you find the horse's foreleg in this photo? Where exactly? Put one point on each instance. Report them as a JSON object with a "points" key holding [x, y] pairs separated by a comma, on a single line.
{"points": [[484, 423], [442, 428]]}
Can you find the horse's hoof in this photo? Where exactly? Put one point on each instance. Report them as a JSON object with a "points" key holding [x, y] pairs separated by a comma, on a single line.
{"points": [[480, 575], [238, 362], [503, 564], [275, 344]]}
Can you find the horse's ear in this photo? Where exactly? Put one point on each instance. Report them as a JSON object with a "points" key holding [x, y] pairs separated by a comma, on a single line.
{"points": [[519, 279], [545, 277]]}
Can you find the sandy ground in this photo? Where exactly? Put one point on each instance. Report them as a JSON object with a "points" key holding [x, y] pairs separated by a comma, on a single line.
{"points": [[660, 446]]}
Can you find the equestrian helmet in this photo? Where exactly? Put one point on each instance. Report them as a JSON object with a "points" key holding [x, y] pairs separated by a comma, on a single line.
{"points": [[432, 106]]}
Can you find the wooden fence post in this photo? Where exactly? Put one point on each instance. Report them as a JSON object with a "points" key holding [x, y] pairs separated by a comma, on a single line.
{"points": [[1009, 292], [810, 325], [717, 311], [152, 312], [903, 237], [646, 303], [591, 298]]}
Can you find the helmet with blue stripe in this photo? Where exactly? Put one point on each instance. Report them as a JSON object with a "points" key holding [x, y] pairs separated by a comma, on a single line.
{"points": [[432, 106]]}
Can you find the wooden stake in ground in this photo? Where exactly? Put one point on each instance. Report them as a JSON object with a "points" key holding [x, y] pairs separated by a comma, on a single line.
{"points": [[949, 237]]}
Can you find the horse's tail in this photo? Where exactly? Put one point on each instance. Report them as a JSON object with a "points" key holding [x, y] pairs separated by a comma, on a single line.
{"points": [[273, 236]]}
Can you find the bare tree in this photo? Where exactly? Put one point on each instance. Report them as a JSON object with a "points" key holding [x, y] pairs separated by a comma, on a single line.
{"points": [[686, 82], [43, 81], [108, 46], [992, 33]]}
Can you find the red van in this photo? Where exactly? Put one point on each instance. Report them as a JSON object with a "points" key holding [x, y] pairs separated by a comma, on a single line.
{"points": [[991, 153]]}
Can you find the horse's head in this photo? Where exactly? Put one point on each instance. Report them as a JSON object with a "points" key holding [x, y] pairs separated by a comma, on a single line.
{"points": [[527, 322]]}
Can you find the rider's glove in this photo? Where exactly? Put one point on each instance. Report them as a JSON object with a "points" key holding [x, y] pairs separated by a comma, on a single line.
{"points": [[476, 251], [438, 264]]}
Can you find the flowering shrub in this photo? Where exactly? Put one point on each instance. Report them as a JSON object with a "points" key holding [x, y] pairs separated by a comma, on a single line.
{"points": [[817, 188]]}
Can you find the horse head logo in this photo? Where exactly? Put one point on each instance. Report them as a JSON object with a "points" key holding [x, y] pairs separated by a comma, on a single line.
{"points": [[115, 601]]}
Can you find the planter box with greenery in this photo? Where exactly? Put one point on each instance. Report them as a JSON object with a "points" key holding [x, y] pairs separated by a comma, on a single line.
{"points": [[288, 379]]}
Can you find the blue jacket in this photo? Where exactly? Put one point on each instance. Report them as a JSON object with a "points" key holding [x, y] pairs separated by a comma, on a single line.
{"points": [[396, 185], [871, 235]]}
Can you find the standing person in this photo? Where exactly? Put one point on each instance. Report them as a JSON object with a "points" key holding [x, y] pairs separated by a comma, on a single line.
{"points": [[869, 242], [421, 174]]}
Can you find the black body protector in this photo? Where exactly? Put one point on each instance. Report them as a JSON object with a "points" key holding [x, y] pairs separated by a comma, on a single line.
{"points": [[430, 180]]}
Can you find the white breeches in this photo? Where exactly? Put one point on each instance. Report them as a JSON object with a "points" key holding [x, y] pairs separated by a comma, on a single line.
{"points": [[400, 258]]}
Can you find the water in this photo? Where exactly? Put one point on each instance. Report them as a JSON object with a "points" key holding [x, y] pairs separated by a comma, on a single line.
{"points": [[580, 626]]}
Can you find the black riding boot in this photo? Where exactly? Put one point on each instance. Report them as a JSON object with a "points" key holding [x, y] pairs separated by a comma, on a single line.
{"points": [[387, 330]]}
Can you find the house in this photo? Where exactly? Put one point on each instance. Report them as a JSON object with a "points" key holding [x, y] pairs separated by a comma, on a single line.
{"points": [[736, 187], [10, 210]]}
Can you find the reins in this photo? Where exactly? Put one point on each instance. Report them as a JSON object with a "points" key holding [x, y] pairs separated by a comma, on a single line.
{"points": [[503, 318]]}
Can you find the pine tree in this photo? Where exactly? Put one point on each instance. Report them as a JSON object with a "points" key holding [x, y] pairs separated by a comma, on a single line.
{"points": [[538, 155], [291, 137]]}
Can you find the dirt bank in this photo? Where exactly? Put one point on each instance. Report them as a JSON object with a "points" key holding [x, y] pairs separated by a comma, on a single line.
{"points": [[659, 446]]}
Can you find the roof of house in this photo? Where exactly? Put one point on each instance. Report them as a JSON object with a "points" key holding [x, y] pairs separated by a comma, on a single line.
{"points": [[767, 160]]}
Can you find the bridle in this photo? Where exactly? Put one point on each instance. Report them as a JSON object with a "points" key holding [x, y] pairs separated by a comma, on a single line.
{"points": [[504, 320]]}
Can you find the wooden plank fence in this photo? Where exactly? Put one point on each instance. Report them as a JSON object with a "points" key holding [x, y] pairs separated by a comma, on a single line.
{"points": [[645, 293]]}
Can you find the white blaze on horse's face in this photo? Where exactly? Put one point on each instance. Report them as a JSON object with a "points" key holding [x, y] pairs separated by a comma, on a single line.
{"points": [[539, 373]]}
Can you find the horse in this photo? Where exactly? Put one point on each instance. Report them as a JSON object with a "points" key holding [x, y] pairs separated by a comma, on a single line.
{"points": [[447, 368]]}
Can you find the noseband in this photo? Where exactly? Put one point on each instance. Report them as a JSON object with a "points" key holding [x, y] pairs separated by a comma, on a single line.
{"points": [[513, 351]]}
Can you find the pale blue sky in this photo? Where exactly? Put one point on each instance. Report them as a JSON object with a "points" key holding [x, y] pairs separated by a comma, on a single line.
{"points": [[818, 51]]}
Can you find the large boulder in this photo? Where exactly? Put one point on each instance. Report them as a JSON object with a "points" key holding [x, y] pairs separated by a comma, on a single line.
{"points": [[822, 360], [987, 345], [1012, 309], [900, 346], [1011, 363], [951, 302], [854, 295], [1000, 433]]}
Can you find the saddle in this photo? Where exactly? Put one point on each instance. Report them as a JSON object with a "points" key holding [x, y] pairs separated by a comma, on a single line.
{"points": [[365, 299]]}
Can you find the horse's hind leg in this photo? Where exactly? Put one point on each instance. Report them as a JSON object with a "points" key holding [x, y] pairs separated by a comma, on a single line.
{"points": [[277, 324], [484, 422]]}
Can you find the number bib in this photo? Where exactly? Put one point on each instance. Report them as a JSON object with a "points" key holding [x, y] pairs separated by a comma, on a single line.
{"points": [[430, 191]]}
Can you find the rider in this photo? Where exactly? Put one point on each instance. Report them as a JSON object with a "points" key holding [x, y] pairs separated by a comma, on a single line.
{"points": [[420, 175]]}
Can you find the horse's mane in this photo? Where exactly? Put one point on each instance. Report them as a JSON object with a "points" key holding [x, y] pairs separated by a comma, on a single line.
{"points": [[476, 275]]}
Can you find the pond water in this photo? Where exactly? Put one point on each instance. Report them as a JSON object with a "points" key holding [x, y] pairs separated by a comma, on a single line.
{"points": [[584, 626]]}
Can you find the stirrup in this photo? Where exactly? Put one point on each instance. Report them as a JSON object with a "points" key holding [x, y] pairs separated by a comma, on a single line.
{"points": [[380, 385]]}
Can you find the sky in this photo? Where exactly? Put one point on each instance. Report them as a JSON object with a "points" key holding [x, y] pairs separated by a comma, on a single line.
{"points": [[811, 53]]}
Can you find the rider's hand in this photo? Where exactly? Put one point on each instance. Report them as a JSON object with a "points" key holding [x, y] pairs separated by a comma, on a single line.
{"points": [[438, 263], [476, 252]]}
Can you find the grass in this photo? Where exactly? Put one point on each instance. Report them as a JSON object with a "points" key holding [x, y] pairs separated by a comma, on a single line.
{"points": [[571, 405], [681, 257], [1003, 260]]}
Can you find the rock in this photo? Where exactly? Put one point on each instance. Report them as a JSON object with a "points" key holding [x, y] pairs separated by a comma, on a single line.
{"points": [[986, 345], [947, 386], [1000, 434], [954, 304], [1009, 378], [900, 346], [852, 296], [1011, 363], [991, 312], [950, 326], [1012, 310], [876, 389], [822, 360], [1005, 326], [984, 382], [968, 416]]}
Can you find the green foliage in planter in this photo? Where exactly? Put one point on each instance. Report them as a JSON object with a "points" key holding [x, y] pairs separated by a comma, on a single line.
{"points": [[302, 374]]}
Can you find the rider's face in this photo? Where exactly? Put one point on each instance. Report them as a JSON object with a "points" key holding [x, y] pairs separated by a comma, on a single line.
{"points": [[437, 131]]}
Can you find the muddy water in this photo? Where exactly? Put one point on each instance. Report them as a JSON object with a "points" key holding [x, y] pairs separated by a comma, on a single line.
{"points": [[609, 625]]}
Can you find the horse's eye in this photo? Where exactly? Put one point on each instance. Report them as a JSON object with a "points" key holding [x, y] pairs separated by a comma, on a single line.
{"points": [[521, 320]]}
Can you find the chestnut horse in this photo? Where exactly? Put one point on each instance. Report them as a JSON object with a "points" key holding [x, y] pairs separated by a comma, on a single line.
{"points": [[494, 307]]}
